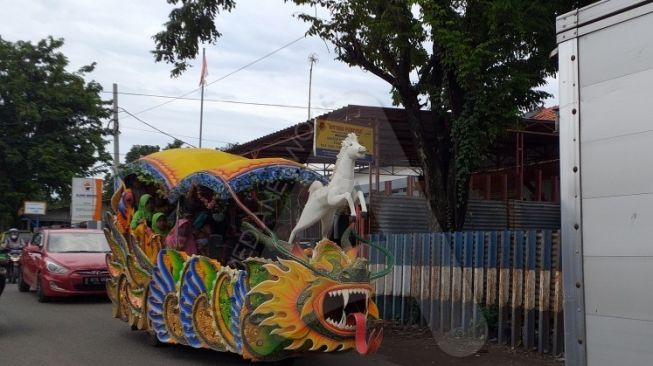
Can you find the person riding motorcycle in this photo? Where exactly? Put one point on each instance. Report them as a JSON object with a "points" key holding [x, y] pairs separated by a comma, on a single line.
{"points": [[13, 243], [13, 240]]}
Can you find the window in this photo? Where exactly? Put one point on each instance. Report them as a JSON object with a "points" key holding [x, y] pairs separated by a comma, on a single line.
{"points": [[37, 240], [77, 242]]}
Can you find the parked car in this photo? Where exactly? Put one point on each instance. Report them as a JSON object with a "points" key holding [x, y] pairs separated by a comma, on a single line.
{"points": [[65, 262]]}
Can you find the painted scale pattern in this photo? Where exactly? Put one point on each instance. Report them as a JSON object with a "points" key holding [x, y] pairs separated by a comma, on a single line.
{"points": [[268, 311]]}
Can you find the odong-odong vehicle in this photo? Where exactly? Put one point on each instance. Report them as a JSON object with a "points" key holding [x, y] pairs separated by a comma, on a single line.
{"points": [[65, 262], [243, 290]]}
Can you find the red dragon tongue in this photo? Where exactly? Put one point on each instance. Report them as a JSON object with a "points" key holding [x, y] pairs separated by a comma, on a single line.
{"points": [[364, 345]]}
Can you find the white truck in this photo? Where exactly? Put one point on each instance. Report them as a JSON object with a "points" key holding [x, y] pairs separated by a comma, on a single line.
{"points": [[605, 52]]}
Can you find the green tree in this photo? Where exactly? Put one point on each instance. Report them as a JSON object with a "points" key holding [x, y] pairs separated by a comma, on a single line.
{"points": [[50, 125], [174, 145], [138, 151], [228, 146], [132, 155], [473, 64]]}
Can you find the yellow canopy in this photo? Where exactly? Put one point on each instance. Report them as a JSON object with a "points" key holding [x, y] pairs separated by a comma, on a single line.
{"points": [[176, 164], [178, 169]]}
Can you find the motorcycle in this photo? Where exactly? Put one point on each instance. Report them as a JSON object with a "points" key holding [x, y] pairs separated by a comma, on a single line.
{"points": [[4, 260], [13, 272]]}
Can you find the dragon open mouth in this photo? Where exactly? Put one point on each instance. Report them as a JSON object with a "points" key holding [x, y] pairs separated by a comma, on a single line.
{"points": [[339, 304]]}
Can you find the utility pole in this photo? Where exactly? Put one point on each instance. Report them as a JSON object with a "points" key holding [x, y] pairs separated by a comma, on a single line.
{"points": [[116, 134], [202, 83], [312, 58]]}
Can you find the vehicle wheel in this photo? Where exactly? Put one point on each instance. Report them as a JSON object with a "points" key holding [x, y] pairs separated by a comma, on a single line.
{"points": [[10, 274], [153, 340], [22, 285], [39, 290], [15, 274], [2, 283], [285, 362]]}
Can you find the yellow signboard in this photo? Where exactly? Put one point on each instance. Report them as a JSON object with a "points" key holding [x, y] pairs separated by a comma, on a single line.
{"points": [[329, 136]]}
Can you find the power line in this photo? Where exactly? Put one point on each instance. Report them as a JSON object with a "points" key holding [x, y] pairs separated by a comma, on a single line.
{"points": [[224, 76], [191, 137], [220, 101], [156, 128], [256, 61]]}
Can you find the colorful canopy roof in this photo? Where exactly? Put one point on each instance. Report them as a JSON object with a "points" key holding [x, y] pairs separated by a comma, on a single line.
{"points": [[179, 169]]}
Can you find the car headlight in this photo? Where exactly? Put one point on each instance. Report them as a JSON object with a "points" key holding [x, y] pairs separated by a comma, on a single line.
{"points": [[55, 267]]}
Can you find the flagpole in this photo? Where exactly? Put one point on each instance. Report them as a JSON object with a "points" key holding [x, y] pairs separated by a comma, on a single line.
{"points": [[202, 96]]}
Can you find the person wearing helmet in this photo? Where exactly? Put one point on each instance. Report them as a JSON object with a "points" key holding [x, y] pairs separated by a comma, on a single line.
{"points": [[13, 240], [12, 243]]}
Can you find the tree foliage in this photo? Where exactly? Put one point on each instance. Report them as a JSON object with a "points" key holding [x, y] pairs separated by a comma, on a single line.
{"points": [[138, 151], [134, 153], [176, 144], [50, 125], [474, 64], [187, 24]]}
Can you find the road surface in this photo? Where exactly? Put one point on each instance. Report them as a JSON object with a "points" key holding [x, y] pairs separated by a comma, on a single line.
{"points": [[75, 332], [82, 332]]}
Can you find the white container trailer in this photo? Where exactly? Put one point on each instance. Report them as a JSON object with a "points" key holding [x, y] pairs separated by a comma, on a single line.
{"points": [[605, 53]]}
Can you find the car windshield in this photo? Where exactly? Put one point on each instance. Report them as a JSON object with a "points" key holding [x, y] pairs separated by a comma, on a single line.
{"points": [[77, 243]]}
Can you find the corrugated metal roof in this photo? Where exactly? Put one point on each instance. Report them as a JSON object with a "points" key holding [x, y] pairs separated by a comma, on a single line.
{"points": [[394, 135]]}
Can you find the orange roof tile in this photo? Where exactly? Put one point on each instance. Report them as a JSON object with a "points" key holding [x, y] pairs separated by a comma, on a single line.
{"points": [[543, 114]]}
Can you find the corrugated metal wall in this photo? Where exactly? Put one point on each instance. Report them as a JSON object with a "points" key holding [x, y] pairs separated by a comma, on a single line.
{"points": [[399, 214], [503, 285], [486, 215], [534, 215], [513, 214], [403, 214]]}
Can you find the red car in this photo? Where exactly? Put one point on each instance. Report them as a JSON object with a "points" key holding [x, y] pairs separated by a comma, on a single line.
{"points": [[65, 262]]}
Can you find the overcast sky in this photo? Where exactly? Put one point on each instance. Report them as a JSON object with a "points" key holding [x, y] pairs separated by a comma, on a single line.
{"points": [[117, 35]]}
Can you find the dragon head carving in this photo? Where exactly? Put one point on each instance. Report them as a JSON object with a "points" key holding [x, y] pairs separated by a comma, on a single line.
{"points": [[312, 304]]}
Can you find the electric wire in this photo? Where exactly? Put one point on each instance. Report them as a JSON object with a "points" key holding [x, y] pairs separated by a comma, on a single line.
{"points": [[186, 136], [219, 101], [224, 76], [156, 128]]}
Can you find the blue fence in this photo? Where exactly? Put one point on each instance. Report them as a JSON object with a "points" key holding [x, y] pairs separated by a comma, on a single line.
{"points": [[503, 285]]}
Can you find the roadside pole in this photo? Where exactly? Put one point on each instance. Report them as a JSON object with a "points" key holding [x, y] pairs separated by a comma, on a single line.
{"points": [[116, 135], [312, 58], [202, 83]]}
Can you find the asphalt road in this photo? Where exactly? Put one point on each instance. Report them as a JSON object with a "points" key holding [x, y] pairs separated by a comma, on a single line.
{"points": [[82, 332]]}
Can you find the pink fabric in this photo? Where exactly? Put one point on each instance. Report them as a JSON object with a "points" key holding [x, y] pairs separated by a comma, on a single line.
{"points": [[182, 242]]}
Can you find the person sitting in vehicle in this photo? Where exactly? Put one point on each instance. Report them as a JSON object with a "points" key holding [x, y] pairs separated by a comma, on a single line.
{"points": [[203, 235], [181, 237], [144, 212], [125, 211], [160, 224]]}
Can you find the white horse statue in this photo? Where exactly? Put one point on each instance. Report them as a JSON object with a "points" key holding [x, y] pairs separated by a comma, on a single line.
{"points": [[324, 201]]}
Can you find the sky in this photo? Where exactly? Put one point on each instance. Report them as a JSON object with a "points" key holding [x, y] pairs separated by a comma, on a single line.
{"points": [[118, 34]]}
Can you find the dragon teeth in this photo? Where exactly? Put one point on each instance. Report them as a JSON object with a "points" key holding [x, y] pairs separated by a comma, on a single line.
{"points": [[350, 291], [345, 299]]}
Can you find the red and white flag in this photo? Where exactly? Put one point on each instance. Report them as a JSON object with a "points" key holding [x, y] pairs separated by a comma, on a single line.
{"points": [[205, 70]]}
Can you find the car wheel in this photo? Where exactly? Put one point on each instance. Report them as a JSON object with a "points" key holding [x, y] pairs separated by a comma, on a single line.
{"points": [[22, 285], [39, 290]]}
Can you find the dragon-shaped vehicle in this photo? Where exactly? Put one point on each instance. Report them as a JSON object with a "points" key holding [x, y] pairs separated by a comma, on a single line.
{"points": [[261, 297]]}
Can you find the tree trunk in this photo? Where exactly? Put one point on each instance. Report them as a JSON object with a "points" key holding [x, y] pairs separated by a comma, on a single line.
{"points": [[447, 200]]}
